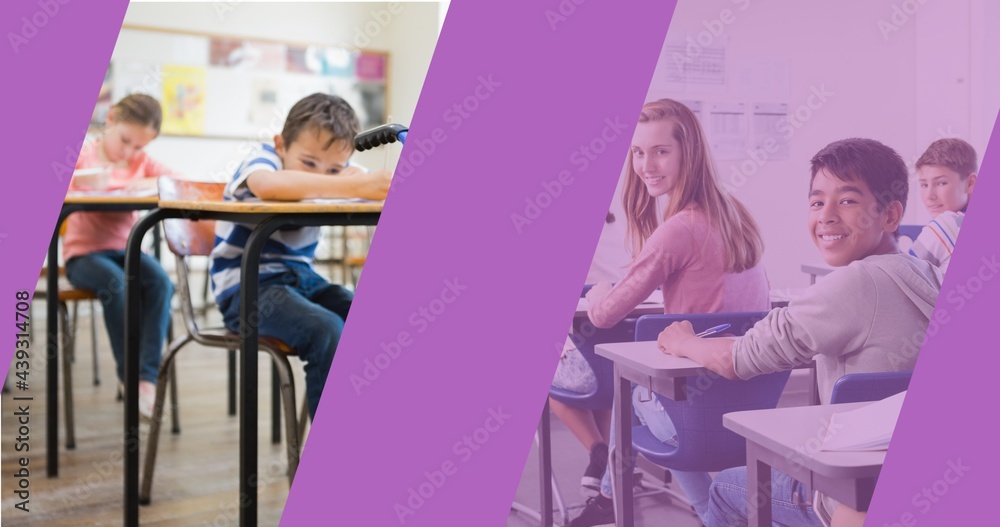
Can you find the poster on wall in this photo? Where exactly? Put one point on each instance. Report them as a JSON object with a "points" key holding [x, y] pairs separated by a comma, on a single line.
{"points": [[104, 100], [183, 100]]}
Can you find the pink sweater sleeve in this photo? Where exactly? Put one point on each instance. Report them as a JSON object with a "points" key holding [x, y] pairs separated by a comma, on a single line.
{"points": [[151, 168], [666, 251]]}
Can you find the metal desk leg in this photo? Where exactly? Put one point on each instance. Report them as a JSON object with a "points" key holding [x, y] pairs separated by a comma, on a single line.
{"points": [[52, 356], [758, 489], [133, 251], [249, 321], [545, 466], [622, 453]]}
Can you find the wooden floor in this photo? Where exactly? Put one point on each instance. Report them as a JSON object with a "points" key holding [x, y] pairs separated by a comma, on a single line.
{"points": [[197, 471]]}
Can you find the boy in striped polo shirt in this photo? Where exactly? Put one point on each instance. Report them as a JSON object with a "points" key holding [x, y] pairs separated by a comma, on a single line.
{"points": [[946, 173], [309, 159]]}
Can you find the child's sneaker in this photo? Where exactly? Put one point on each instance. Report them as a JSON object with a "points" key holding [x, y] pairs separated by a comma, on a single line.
{"points": [[147, 398], [590, 484], [600, 511]]}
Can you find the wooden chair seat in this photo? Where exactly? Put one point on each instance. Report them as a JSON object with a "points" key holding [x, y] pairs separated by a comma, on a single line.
{"points": [[223, 338]]}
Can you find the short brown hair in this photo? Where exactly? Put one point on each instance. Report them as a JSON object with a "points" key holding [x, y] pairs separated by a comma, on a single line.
{"points": [[951, 153], [322, 112], [868, 160], [139, 109]]}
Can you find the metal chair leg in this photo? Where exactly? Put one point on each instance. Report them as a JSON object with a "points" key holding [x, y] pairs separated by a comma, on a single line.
{"points": [[303, 420], [93, 344], [293, 445], [276, 405], [153, 439], [232, 382], [175, 417], [283, 371], [67, 345]]}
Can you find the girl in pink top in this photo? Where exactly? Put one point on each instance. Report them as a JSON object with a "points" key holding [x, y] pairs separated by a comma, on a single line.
{"points": [[94, 244], [704, 253]]}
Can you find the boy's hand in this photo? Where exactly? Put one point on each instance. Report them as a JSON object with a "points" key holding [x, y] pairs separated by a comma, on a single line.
{"points": [[374, 185], [673, 340]]}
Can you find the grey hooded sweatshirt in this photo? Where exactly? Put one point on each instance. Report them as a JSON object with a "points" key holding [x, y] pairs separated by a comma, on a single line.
{"points": [[869, 316]]}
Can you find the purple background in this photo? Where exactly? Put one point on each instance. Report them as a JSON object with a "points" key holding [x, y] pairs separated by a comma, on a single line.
{"points": [[496, 346], [50, 87]]}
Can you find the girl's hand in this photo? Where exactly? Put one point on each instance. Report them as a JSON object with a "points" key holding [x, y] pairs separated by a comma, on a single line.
{"points": [[598, 292], [673, 340]]}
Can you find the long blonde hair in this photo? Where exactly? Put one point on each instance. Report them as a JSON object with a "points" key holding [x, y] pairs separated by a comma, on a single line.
{"points": [[697, 185]]}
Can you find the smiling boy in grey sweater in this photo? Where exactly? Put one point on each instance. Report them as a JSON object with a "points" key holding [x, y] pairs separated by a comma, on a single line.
{"points": [[865, 316]]}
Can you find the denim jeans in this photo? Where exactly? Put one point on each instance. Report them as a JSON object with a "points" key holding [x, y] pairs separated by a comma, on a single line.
{"points": [[306, 312], [790, 506], [104, 274], [651, 413]]}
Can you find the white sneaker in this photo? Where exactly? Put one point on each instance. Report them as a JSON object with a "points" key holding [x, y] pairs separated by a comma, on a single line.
{"points": [[147, 398]]}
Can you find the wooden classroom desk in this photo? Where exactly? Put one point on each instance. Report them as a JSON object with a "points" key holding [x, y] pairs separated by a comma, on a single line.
{"points": [[267, 217], [786, 439], [74, 202]]}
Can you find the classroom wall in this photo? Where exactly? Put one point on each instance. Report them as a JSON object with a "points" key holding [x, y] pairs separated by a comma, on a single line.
{"points": [[409, 36], [905, 87]]}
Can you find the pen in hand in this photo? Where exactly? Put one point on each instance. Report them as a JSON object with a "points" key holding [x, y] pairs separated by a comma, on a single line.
{"points": [[712, 331]]}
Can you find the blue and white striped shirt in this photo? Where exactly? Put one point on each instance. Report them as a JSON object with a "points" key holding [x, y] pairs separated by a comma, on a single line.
{"points": [[937, 240], [285, 248]]}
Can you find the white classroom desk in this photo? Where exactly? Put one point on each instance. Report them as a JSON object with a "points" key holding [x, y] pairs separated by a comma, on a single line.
{"points": [[546, 498], [640, 310], [786, 439], [815, 271], [644, 364]]}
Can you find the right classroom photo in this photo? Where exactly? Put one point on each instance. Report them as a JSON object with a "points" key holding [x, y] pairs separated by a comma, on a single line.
{"points": [[769, 266]]}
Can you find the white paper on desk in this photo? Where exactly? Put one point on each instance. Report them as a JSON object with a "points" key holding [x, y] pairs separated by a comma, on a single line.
{"points": [[867, 429], [332, 201], [143, 193], [656, 298]]}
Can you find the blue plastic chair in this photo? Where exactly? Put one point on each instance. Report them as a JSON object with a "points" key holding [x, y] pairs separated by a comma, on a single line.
{"points": [[910, 231], [864, 387], [702, 443]]}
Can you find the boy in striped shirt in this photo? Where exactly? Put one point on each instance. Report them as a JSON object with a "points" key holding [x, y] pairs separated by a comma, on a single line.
{"points": [[309, 159], [946, 173]]}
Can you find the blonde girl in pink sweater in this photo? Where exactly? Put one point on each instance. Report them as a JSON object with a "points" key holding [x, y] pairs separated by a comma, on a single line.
{"points": [[703, 251], [94, 245]]}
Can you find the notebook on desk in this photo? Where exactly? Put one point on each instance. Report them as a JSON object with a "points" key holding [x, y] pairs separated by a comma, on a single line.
{"points": [[654, 299], [867, 429]]}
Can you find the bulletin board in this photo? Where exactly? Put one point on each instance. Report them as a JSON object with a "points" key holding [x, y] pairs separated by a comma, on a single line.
{"points": [[228, 87]]}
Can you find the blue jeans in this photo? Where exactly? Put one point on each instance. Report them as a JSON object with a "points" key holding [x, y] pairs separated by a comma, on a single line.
{"points": [[303, 310], [104, 274], [651, 413], [790, 506]]}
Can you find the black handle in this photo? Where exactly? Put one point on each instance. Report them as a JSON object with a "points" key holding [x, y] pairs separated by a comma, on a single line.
{"points": [[378, 136]]}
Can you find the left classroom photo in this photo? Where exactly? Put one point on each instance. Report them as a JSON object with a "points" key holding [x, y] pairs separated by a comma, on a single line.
{"points": [[210, 245]]}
